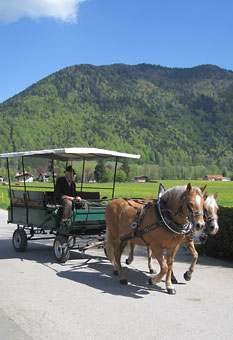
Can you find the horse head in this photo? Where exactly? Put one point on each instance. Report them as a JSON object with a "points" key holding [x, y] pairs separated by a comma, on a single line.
{"points": [[210, 213], [191, 205]]}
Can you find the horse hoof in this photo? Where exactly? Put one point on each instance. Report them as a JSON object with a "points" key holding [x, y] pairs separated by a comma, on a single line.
{"points": [[187, 277], [127, 261], [152, 271], [150, 282], [123, 282], [115, 272], [171, 291]]}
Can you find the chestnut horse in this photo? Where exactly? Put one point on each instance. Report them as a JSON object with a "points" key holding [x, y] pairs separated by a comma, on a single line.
{"points": [[211, 227], [154, 228]]}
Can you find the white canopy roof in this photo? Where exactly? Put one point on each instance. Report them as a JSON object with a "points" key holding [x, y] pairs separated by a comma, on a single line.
{"points": [[70, 154]]}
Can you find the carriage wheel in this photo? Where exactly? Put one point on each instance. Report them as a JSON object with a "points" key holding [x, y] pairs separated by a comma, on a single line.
{"points": [[19, 240], [61, 251]]}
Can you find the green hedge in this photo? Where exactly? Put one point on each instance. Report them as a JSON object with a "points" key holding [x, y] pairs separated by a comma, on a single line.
{"points": [[221, 244]]}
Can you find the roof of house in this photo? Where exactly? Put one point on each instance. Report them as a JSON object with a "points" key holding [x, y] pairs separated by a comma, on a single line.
{"points": [[215, 176], [22, 174]]}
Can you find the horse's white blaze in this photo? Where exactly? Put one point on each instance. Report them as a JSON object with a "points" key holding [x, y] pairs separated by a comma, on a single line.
{"points": [[216, 227], [198, 199]]}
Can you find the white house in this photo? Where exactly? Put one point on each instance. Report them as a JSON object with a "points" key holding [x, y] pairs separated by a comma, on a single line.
{"points": [[142, 179], [216, 178], [20, 177]]}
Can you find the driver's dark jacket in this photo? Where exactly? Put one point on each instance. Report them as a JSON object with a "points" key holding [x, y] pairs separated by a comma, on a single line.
{"points": [[63, 188]]}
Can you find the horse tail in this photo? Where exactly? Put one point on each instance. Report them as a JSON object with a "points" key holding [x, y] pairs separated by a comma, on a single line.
{"points": [[113, 221], [109, 248]]}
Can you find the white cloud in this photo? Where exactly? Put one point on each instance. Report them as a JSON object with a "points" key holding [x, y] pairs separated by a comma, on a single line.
{"points": [[63, 10]]}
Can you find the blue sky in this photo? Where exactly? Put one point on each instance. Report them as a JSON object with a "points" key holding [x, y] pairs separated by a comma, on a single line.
{"points": [[40, 37]]}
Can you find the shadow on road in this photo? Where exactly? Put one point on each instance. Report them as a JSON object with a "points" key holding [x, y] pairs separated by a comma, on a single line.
{"points": [[102, 278], [94, 270], [91, 270], [42, 252]]}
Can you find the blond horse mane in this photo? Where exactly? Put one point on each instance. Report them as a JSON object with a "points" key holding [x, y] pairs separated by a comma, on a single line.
{"points": [[175, 193], [211, 201]]}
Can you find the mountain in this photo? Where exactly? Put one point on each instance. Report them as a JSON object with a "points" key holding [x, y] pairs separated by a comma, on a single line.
{"points": [[168, 115]]}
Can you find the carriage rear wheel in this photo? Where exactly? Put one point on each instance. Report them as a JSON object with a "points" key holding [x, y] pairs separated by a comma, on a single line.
{"points": [[19, 240], [61, 249]]}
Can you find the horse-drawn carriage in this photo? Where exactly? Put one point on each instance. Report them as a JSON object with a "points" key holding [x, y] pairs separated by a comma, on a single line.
{"points": [[161, 224], [37, 214]]}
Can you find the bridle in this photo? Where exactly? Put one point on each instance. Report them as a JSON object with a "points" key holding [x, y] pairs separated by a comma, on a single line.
{"points": [[192, 213], [209, 219]]}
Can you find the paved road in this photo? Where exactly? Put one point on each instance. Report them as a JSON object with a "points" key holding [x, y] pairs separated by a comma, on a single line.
{"points": [[41, 299]]}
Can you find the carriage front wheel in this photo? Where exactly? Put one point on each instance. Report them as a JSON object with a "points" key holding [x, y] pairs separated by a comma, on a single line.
{"points": [[61, 248], [19, 240]]}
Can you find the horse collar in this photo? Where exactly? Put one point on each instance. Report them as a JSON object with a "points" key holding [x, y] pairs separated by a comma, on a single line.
{"points": [[168, 223]]}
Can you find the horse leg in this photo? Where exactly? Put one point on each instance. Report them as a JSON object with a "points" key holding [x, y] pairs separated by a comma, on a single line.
{"points": [[170, 259], [173, 278], [158, 253], [118, 250], [150, 265], [189, 245], [112, 243], [130, 258]]}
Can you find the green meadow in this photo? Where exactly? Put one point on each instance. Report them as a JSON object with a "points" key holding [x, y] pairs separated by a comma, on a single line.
{"points": [[136, 190]]}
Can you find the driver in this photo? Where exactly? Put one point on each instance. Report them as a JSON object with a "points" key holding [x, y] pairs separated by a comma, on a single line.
{"points": [[65, 193]]}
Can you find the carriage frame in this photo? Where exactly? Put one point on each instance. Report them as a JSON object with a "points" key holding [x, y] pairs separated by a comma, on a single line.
{"points": [[38, 216]]}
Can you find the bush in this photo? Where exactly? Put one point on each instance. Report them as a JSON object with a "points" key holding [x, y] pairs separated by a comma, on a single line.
{"points": [[221, 244], [121, 176], [108, 175]]}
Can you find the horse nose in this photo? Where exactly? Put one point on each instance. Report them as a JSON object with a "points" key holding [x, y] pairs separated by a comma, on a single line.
{"points": [[200, 226], [213, 230]]}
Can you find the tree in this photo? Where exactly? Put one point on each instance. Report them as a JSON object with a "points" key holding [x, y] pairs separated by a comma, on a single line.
{"points": [[61, 171], [121, 176], [126, 168], [108, 175], [89, 175], [99, 171], [40, 170], [224, 172]]}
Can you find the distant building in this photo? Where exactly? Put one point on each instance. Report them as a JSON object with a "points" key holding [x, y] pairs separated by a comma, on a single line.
{"points": [[216, 178], [142, 179], [20, 177], [44, 176]]}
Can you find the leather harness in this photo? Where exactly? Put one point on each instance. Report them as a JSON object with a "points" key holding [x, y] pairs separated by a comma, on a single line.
{"points": [[165, 220]]}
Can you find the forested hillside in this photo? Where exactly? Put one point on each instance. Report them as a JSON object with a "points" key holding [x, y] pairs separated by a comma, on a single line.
{"points": [[168, 115]]}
